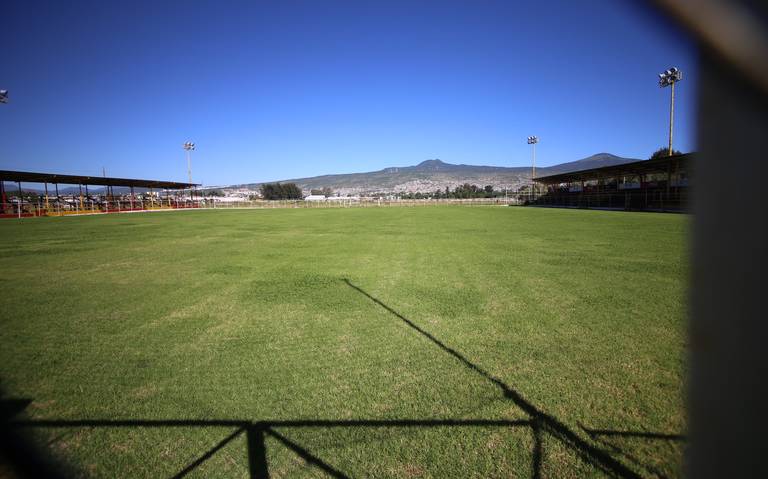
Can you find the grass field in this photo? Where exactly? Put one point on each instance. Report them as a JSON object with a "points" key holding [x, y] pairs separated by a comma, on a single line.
{"points": [[391, 342]]}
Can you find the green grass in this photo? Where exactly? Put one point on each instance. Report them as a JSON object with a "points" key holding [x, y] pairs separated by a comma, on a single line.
{"points": [[575, 319]]}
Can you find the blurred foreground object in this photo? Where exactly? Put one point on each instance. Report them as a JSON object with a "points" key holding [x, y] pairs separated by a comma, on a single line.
{"points": [[728, 330]]}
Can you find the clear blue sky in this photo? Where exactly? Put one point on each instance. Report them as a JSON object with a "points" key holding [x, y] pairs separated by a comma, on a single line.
{"points": [[283, 89]]}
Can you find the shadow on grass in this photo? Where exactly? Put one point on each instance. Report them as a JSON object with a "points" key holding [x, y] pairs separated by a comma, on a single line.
{"points": [[603, 436], [29, 460], [256, 432], [541, 422]]}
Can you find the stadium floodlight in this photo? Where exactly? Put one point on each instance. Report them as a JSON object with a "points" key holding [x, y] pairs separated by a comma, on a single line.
{"points": [[668, 79], [532, 140], [3, 96], [189, 146]]}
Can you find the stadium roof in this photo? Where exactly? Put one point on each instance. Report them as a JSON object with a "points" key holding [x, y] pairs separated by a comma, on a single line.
{"points": [[29, 177], [634, 167]]}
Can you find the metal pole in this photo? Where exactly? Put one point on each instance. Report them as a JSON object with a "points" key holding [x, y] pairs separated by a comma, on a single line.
{"points": [[671, 116], [533, 177], [21, 198], [189, 165]]}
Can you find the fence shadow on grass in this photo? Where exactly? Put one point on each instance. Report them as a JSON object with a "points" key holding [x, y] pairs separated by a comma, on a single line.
{"points": [[255, 432], [539, 423], [604, 436]]}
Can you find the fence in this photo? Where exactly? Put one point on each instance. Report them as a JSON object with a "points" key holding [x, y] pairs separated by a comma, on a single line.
{"points": [[648, 198], [62, 207], [358, 203], [54, 207]]}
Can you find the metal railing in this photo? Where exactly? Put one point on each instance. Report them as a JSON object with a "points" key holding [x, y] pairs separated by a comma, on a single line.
{"points": [[90, 206]]}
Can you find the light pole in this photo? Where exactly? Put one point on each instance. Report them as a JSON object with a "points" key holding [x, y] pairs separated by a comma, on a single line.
{"points": [[189, 146], [669, 78], [532, 140]]}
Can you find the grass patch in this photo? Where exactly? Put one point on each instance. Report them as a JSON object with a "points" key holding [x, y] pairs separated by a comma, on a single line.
{"points": [[560, 333]]}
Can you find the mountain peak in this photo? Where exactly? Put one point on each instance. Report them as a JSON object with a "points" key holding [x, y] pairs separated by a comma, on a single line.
{"points": [[434, 162], [599, 155], [431, 164]]}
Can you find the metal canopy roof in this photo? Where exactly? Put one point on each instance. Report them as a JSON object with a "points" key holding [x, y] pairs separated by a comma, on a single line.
{"points": [[635, 167], [29, 177]]}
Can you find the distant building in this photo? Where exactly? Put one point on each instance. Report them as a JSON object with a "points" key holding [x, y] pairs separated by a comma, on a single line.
{"points": [[315, 198]]}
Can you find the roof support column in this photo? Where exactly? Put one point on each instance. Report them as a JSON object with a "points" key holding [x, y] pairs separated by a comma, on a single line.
{"points": [[21, 198], [131, 198]]}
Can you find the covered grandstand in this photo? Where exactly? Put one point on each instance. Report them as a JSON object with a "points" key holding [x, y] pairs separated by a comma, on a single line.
{"points": [[659, 184], [50, 200]]}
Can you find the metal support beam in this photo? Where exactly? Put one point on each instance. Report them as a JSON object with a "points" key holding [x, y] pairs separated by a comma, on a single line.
{"points": [[21, 198]]}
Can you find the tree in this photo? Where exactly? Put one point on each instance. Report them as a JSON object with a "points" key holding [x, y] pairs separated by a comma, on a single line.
{"points": [[281, 191], [662, 152]]}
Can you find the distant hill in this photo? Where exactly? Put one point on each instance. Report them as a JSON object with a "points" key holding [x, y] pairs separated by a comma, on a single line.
{"points": [[426, 177], [432, 175]]}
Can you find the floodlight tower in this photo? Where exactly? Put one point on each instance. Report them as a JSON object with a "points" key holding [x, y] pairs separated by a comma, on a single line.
{"points": [[3, 96], [189, 146], [668, 79], [532, 140]]}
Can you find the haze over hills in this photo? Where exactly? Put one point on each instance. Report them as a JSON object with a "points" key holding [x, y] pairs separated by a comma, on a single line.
{"points": [[431, 175]]}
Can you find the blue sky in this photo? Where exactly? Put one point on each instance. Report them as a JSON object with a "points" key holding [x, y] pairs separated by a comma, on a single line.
{"points": [[282, 89]]}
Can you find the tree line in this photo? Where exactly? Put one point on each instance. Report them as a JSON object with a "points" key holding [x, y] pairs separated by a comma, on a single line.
{"points": [[290, 191], [464, 191]]}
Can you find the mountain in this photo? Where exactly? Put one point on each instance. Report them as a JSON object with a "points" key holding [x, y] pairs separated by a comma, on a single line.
{"points": [[426, 177], [431, 175]]}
